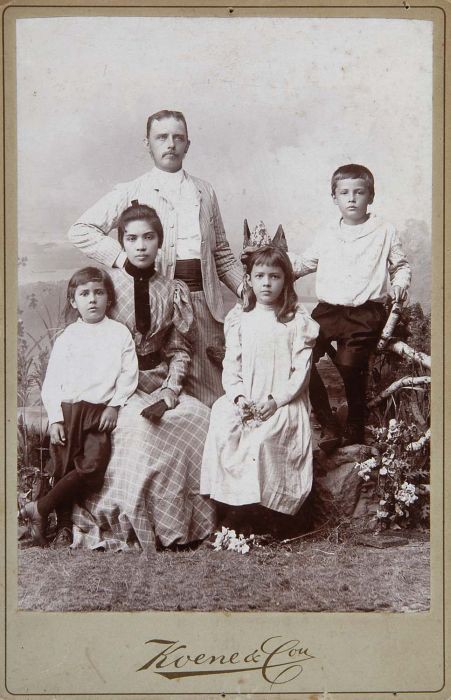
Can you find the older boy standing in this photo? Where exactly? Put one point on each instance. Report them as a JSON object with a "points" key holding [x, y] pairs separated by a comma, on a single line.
{"points": [[352, 260], [195, 248]]}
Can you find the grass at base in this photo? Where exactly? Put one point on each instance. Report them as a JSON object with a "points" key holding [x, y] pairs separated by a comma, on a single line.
{"points": [[313, 576]]}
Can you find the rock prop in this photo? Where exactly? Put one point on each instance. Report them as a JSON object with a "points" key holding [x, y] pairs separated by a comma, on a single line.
{"points": [[338, 491]]}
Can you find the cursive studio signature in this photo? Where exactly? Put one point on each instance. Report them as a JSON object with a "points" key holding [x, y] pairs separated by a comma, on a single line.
{"points": [[278, 659]]}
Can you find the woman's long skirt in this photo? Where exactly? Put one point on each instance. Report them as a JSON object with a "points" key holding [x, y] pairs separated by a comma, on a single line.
{"points": [[151, 488]]}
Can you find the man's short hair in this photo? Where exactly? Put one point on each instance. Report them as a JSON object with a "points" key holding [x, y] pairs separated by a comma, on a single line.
{"points": [[353, 171], [165, 114]]}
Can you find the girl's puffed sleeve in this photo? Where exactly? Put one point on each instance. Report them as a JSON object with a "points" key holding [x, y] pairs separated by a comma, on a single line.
{"points": [[306, 332], [177, 345], [232, 379]]}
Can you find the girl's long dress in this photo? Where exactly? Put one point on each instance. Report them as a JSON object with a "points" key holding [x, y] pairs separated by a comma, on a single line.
{"points": [[270, 464], [151, 487]]}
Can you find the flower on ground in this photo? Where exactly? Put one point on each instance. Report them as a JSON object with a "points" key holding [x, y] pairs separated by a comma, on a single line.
{"points": [[228, 540]]}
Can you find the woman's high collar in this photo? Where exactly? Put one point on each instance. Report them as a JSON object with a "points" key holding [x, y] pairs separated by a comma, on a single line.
{"points": [[139, 273]]}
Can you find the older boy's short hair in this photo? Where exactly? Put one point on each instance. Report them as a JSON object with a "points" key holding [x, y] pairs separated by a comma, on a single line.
{"points": [[139, 212], [353, 171], [165, 114]]}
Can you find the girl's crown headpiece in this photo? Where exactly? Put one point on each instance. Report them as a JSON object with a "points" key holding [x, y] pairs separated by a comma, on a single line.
{"points": [[260, 240]]}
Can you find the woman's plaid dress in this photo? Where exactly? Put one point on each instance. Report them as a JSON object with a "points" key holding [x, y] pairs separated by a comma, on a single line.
{"points": [[151, 487]]}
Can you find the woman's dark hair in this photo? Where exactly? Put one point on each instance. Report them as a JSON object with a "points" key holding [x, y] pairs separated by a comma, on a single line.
{"points": [[83, 276], [288, 298], [139, 212]]}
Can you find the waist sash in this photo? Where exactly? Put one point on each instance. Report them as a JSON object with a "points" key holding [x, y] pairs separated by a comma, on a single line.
{"points": [[190, 272]]}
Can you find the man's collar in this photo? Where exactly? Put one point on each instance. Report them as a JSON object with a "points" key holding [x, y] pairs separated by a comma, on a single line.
{"points": [[157, 181], [162, 179]]}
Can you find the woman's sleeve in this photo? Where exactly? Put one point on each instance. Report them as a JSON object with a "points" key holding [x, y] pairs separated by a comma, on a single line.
{"points": [[127, 380], [177, 346], [232, 379], [51, 392], [304, 340]]}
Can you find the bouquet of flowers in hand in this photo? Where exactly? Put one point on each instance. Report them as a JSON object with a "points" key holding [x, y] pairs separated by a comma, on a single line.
{"points": [[250, 415]]}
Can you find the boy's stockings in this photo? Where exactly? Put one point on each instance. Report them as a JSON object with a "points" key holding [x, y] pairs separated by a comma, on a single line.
{"points": [[62, 495], [354, 380]]}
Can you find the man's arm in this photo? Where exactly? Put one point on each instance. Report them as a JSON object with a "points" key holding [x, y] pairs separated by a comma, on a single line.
{"points": [[229, 270], [90, 233]]}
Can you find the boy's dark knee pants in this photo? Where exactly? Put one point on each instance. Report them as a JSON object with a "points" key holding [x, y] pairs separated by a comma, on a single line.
{"points": [[90, 462], [356, 330]]}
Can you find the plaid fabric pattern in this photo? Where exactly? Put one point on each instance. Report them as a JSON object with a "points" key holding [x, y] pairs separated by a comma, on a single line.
{"points": [[151, 486], [171, 322], [90, 235]]}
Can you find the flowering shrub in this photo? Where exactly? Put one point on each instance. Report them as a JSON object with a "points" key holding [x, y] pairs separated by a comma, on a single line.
{"points": [[228, 540], [401, 473]]}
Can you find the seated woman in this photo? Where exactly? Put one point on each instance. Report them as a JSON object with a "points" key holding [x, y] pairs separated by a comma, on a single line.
{"points": [[151, 493]]}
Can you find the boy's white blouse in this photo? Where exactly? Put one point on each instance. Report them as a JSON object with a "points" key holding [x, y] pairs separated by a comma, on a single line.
{"points": [[94, 362], [353, 263]]}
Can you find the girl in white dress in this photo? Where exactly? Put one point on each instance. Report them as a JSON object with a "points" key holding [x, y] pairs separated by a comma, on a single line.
{"points": [[259, 447]]}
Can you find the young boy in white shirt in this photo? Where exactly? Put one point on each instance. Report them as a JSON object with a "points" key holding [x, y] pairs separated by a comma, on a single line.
{"points": [[353, 261], [92, 372]]}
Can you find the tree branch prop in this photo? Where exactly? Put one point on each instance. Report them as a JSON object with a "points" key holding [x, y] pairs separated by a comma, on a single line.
{"points": [[404, 383], [416, 446], [404, 350], [389, 327]]}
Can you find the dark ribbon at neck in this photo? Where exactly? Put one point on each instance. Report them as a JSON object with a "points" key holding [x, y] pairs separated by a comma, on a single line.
{"points": [[141, 279]]}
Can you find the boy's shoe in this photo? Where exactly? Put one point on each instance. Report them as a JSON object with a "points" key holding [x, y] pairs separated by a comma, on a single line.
{"points": [[36, 523], [63, 538], [330, 440], [354, 434]]}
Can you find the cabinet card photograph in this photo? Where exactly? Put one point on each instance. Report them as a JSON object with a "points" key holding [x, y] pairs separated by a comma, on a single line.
{"points": [[224, 274]]}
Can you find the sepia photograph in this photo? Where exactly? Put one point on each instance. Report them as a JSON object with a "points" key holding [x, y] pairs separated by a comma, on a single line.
{"points": [[225, 229]]}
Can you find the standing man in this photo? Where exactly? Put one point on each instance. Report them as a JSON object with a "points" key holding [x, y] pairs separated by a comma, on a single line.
{"points": [[195, 248]]}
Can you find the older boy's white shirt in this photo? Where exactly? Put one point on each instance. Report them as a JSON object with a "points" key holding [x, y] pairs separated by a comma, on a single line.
{"points": [[94, 362], [353, 263]]}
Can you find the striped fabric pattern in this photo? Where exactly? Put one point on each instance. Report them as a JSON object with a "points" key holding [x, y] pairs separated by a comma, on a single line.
{"points": [[151, 487], [204, 379], [90, 235]]}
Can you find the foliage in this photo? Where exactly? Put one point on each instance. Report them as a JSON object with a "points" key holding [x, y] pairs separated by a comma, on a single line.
{"points": [[32, 359], [401, 473]]}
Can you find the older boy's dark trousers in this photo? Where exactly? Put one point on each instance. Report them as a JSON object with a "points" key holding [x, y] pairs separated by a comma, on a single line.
{"points": [[356, 330], [79, 465]]}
